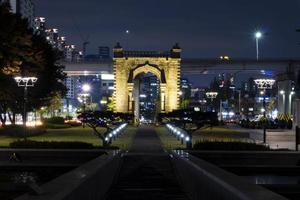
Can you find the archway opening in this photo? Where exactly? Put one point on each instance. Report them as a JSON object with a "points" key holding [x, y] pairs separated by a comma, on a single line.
{"points": [[146, 97]]}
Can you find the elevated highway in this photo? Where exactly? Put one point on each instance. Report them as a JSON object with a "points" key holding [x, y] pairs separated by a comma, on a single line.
{"points": [[194, 66]]}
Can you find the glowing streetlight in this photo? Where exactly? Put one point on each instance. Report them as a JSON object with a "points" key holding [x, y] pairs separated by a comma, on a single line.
{"points": [[264, 84], [86, 87], [25, 82], [211, 96], [258, 35]]}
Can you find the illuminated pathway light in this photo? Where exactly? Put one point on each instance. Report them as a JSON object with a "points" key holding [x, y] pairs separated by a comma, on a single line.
{"points": [[115, 132], [178, 133]]}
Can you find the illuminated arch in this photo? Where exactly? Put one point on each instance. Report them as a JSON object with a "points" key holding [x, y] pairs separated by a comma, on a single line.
{"points": [[147, 68]]}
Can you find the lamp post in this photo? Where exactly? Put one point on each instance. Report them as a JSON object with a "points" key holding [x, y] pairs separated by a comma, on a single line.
{"points": [[258, 35], [282, 92], [264, 84], [212, 96], [239, 91], [84, 96], [25, 82]]}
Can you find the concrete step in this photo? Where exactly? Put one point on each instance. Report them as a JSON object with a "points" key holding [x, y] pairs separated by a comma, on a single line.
{"points": [[146, 177]]}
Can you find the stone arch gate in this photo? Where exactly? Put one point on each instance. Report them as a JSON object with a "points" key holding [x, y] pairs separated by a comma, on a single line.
{"points": [[129, 64]]}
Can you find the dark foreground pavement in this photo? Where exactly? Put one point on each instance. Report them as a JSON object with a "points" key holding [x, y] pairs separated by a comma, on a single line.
{"points": [[146, 172]]}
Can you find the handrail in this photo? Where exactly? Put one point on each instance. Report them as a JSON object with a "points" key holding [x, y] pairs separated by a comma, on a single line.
{"points": [[202, 180]]}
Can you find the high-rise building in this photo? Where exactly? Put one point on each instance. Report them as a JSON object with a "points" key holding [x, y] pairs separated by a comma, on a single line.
{"points": [[149, 96], [52, 36], [70, 84], [23, 7], [40, 25], [104, 52], [71, 54], [107, 88]]}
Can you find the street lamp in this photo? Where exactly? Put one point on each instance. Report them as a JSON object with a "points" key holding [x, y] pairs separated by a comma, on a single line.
{"points": [[211, 96], [282, 92], [83, 97], [258, 35], [25, 82], [264, 84], [86, 87]]}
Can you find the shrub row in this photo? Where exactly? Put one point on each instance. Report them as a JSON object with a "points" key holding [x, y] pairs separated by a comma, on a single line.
{"points": [[270, 124], [56, 126], [18, 131], [59, 123], [229, 146], [54, 120], [26, 144]]}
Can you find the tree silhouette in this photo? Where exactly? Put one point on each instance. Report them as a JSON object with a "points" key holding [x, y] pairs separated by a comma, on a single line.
{"points": [[104, 119], [23, 53], [189, 119]]}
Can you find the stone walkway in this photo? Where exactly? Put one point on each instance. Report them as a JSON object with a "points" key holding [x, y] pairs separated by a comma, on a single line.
{"points": [[147, 172], [276, 139], [146, 141]]}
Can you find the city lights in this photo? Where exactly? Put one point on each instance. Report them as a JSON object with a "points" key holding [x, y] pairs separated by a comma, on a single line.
{"points": [[107, 77]]}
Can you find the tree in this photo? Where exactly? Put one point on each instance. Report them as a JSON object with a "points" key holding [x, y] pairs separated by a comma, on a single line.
{"points": [[15, 39], [189, 119], [26, 54], [103, 119]]}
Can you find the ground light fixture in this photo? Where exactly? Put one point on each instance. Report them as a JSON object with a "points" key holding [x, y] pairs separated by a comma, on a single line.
{"points": [[115, 132], [179, 134]]}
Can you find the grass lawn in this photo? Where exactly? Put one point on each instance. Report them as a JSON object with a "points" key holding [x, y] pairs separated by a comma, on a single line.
{"points": [[206, 133], [220, 134], [75, 134], [125, 140]]}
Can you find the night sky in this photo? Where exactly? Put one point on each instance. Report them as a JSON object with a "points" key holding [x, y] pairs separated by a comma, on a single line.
{"points": [[203, 28]]}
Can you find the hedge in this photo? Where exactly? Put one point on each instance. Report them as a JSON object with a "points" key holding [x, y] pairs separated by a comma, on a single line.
{"points": [[229, 146], [18, 131], [26, 144]]}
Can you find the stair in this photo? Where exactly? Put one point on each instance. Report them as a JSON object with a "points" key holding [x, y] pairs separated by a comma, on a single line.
{"points": [[146, 177]]}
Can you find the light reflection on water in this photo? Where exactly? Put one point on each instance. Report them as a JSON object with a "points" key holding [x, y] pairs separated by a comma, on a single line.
{"points": [[273, 179]]}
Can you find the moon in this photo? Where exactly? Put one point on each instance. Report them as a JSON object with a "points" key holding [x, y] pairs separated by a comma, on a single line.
{"points": [[127, 31]]}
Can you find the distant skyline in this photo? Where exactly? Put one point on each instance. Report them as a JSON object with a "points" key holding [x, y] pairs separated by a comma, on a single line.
{"points": [[202, 28]]}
